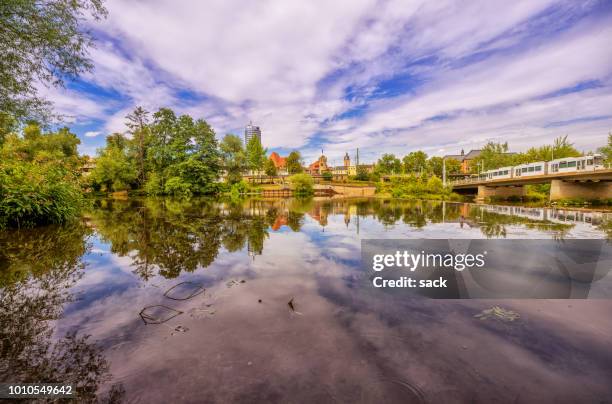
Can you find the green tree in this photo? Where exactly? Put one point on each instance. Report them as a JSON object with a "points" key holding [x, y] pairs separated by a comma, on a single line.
{"points": [[39, 180], [256, 154], [270, 168], [493, 155], [389, 164], [138, 123], [41, 42], [434, 166], [606, 151], [415, 162], [302, 184], [234, 158], [452, 166], [114, 171], [294, 162]]}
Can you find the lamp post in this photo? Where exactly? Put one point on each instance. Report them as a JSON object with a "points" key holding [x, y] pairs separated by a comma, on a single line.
{"points": [[444, 171]]}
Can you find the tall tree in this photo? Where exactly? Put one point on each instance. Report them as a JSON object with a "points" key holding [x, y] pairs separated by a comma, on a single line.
{"points": [[389, 164], [138, 124], [294, 162], [41, 42], [256, 154], [415, 162], [270, 168], [233, 157]]}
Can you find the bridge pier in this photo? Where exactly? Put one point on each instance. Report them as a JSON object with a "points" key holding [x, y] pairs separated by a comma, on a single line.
{"points": [[485, 191], [560, 189]]}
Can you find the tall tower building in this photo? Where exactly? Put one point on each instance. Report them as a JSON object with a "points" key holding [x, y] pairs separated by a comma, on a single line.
{"points": [[347, 160], [251, 131]]}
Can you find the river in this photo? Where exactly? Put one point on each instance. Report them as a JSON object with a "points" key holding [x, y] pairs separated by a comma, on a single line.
{"points": [[158, 300]]}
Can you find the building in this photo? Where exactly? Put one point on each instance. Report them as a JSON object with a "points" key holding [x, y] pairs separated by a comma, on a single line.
{"points": [[466, 160], [279, 162], [251, 131], [319, 166]]}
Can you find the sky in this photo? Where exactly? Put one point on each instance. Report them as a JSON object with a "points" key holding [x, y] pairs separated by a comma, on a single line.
{"points": [[382, 76]]}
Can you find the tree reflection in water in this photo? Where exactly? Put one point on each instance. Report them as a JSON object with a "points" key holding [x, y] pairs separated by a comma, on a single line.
{"points": [[37, 269], [166, 237]]}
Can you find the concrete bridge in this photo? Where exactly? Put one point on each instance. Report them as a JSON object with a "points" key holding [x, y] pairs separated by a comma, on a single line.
{"points": [[584, 184]]}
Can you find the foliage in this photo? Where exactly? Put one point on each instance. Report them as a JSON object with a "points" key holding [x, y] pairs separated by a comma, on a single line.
{"points": [[294, 162], [256, 155], [302, 184], [362, 174], [113, 171], [234, 158], [389, 164], [38, 180], [493, 155], [41, 42], [452, 167], [270, 168], [327, 176], [179, 149], [415, 162], [416, 187], [606, 150]]}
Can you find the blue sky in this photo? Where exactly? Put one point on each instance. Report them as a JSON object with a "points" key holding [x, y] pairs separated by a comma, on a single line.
{"points": [[384, 76]]}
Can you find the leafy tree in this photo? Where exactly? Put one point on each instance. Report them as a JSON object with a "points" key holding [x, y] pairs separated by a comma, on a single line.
{"points": [[270, 168], [389, 164], [138, 122], [327, 176], [256, 155], [415, 162], [607, 150], [114, 170], [234, 158], [452, 166], [435, 165], [39, 181], [362, 174], [294, 162], [41, 42], [302, 184], [493, 155]]}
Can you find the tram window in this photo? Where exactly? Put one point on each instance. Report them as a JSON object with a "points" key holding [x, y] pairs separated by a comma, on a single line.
{"points": [[506, 172], [538, 168], [571, 164], [531, 169], [563, 164], [524, 169], [589, 162]]}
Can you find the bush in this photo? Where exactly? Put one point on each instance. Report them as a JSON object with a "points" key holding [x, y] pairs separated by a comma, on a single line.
{"points": [[175, 186], [302, 184], [327, 176], [153, 186], [33, 194]]}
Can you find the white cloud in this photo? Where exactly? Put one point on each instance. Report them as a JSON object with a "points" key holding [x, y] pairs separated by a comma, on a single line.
{"points": [[93, 133], [287, 66]]}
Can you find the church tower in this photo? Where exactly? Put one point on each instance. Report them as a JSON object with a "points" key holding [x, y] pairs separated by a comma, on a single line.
{"points": [[347, 160]]}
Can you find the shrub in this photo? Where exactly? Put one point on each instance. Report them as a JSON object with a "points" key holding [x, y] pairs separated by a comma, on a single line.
{"points": [[327, 176], [175, 186], [302, 184], [153, 186], [33, 194]]}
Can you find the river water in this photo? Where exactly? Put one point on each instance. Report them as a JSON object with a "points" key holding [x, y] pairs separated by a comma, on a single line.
{"points": [[153, 300]]}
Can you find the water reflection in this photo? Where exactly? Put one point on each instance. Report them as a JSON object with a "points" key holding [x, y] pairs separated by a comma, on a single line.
{"points": [[238, 340], [37, 270], [166, 237]]}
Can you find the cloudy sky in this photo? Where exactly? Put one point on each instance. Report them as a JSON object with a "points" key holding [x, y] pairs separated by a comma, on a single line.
{"points": [[384, 76]]}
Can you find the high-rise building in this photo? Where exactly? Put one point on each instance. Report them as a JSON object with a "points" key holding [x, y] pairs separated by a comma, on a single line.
{"points": [[250, 131]]}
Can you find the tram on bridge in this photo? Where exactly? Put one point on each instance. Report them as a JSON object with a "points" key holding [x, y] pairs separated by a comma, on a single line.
{"points": [[581, 164]]}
